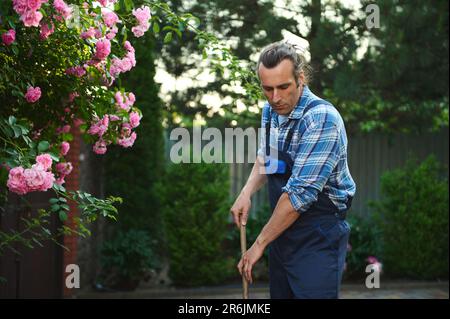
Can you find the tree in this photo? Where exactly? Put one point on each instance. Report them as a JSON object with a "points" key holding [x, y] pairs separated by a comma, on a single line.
{"points": [[358, 78]]}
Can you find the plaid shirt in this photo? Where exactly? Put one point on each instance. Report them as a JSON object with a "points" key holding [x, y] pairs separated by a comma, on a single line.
{"points": [[319, 151]]}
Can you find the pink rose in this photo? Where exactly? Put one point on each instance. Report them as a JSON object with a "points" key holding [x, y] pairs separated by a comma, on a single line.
{"points": [[38, 180], [60, 180], [88, 33], [100, 147], [62, 8], [33, 94], [45, 160], [127, 141], [31, 18], [20, 6], [103, 49], [139, 30], [64, 168], [46, 31], [9, 37], [134, 119], [142, 15], [63, 129], [110, 18], [34, 4], [100, 127], [77, 71], [127, 45], [72, 96], [65, 147], [16, 181]]}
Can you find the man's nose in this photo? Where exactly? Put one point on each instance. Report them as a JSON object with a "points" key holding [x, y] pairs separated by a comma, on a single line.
{"points": [[276, 96]]}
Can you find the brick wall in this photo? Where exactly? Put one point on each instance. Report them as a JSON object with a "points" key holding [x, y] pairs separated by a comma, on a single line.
{"points": [[72, 182]]}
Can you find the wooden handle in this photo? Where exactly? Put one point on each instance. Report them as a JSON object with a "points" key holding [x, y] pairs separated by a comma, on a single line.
{"points": [[243, 250]]}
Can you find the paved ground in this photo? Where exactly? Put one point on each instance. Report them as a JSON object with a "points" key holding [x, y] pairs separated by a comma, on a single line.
{"points": [[389, 290]]}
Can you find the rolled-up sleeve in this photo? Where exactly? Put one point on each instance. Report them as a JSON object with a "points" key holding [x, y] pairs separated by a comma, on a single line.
{"points": [[315, 160]]}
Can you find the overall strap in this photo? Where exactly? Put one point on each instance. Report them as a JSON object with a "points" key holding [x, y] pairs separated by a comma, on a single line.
{"points": [[291, 131], [306, 110], [268, 132]]}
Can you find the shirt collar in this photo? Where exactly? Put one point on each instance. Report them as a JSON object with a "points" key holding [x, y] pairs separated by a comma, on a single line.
{"points": [[297, 112]]}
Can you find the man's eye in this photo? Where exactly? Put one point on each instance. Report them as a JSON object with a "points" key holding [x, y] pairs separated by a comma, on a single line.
{"points": [[268, 89], [284, 87]]}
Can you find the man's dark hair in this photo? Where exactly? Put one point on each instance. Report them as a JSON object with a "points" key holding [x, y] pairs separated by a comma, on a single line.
{"points": [[276, 52]]}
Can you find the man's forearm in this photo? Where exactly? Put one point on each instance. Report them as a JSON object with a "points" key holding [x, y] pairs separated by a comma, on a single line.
{"points": [[283, 216], [255, 181]]}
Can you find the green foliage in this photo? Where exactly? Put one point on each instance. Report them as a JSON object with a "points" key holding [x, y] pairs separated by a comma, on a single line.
{"points": [[409, 57], [34, 232], [413, 218], [196, 209], [365, 240], [133, 173], [400, 83], [128, 256]]}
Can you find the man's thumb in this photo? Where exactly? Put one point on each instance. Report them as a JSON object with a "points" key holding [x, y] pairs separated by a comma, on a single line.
{"points": [[244, 217]]}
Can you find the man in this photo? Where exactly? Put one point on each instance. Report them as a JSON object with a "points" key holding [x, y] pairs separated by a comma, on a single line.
{"points": [[310, 186]]}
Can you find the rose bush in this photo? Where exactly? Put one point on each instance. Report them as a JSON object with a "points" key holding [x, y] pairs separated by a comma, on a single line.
{"points": [[61, 62], [60, 67]]}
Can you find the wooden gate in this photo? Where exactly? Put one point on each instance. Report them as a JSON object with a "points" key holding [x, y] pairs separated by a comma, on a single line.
{"points": [[36, 272]]}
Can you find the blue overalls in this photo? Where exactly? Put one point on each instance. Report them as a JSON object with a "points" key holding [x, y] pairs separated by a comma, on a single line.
{"points": [[307, 259]]}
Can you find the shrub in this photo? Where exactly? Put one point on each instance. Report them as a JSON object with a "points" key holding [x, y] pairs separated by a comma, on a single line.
{"points": [[127, 259], [365, 240], [413, 218], [196, 208]]}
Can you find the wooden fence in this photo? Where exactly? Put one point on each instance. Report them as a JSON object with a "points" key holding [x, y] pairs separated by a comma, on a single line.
{"points": [[369, 155]]}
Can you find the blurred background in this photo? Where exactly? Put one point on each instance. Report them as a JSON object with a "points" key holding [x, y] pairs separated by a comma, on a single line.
{"points": [[389, 82]]}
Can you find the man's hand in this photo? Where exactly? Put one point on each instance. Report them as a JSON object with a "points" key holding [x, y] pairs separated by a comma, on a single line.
{"points": [[240, 209], [250, 258]]}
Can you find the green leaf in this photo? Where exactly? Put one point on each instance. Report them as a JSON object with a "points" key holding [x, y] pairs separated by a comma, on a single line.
{"points": [[55, 208], [54, 200], [17, 131], [155, 27], [62, 216], [8, 131], [65, 206], [181, 26], [178, 32], [43, 146], [67, 137], [12, 120], [128, 5], [15, 49], [28, 141], [168, 37], [53, 156], [11, 24]]}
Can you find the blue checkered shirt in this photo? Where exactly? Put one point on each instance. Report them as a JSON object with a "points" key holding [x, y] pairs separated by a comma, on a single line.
{"points": [[319, 151]]}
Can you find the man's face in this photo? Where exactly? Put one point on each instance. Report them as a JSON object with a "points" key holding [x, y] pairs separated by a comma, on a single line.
{"points": [[279, 87]]}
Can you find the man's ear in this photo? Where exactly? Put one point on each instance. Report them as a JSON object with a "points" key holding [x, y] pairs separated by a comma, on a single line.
{"points": [[300, 79]]}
